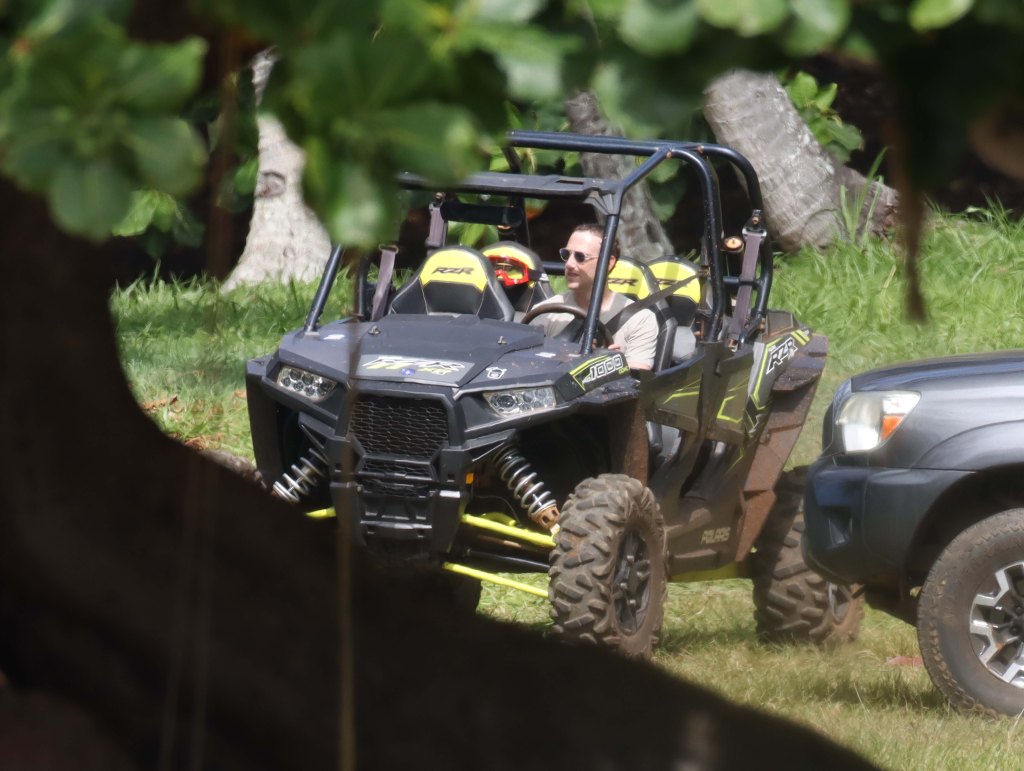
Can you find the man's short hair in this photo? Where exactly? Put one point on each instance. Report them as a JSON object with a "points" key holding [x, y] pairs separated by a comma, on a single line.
{"points": [[596, 230]]}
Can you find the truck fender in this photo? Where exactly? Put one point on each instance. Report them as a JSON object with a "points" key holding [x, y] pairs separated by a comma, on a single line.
{"points": [[985, 447]]}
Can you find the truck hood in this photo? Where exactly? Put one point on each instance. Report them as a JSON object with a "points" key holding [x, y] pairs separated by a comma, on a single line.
{"points": [[917, 375]]}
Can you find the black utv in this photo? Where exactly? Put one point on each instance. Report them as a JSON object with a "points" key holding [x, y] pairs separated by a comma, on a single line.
{"points": [[456, 435]]}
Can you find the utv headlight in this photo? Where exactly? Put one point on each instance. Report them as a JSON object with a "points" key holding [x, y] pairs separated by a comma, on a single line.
{"points": [[316, 388], [521, 400], [868, 418]]}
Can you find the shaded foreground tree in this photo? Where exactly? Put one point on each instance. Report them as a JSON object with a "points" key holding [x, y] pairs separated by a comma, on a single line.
{"points": [[181, 616], [174, 615]]}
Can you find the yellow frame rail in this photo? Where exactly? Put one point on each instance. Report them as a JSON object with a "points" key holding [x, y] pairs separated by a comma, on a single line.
{"points": [[540, 539], [481, 575]]}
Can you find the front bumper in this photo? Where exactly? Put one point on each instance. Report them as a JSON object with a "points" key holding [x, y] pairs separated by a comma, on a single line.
{"points": [[861, 521]]}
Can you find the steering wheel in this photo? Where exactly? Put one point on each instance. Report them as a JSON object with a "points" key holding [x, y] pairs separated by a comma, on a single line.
{"points": [[603, 338]]}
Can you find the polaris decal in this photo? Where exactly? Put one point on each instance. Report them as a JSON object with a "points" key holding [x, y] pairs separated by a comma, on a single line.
{"points": [[408, 366], [718, 535], [780, 354], [592, 372]]}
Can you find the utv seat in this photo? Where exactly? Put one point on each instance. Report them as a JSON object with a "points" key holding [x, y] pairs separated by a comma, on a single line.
{"points": [[521, 273], [682, 303], [635, 280], [454, 279]]}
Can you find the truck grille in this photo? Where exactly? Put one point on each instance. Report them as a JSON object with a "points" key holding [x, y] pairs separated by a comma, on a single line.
{"points": [[413, 428]]}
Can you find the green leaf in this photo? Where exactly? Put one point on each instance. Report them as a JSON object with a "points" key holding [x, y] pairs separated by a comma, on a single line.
{"points": [[747, 17], [436, 140], [816, 24], [604, 10], [802, 89], [244, 178], [659, 26], [357, 213], [932, 14], [60, 16], [159, 77], [530, 57], [501, 11], [140, 213], [843, 134], [631, 98], [89, 199], [187, 230], [827, 95], [169, 154]]}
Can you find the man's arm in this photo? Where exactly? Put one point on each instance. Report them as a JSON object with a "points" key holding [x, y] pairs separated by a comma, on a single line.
{"points": [[640, 340]]}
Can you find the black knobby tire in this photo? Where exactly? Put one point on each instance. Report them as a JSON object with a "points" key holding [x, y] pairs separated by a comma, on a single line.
{"points": [[609, 572], [962, 594], [792, 603]]}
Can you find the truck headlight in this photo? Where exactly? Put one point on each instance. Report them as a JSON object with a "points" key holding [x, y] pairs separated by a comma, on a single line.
{"points": [[316, 388], [868, 418], [521, 400]]}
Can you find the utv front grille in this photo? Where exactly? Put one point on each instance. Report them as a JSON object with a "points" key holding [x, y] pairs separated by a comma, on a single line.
{"points": [[413, 428]]}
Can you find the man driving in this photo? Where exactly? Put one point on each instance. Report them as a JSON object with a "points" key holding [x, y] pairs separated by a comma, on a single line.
{"points": [[637, 337]]}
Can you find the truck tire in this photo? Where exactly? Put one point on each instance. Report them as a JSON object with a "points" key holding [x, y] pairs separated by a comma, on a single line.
{"points": [[792, 603], [970, 617], [609, 571]]}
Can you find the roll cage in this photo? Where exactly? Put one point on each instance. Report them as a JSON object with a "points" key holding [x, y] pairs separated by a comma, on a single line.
{"points": [[606, 196]]}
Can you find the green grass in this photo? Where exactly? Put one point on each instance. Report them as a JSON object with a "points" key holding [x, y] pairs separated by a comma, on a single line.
{"points": [[184, 349]]}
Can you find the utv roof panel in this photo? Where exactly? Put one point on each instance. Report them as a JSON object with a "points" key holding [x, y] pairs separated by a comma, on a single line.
{"points": [[530, 185]]}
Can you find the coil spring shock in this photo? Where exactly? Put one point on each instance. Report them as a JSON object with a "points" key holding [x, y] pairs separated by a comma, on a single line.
{"points": [[301, 479], [531, 492]]}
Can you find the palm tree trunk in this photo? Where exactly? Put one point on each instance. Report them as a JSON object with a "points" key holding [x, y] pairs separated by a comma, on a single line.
{"points": [[800, 180], [286, 241], [640, 235]]}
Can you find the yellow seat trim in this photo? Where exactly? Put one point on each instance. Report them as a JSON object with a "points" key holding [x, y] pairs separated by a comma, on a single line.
{"points": [[454, 266]]}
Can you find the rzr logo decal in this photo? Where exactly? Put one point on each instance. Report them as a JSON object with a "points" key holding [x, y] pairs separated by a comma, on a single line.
{"points": [[409, 366], [453, 271], [780, 354], [622, 282]]}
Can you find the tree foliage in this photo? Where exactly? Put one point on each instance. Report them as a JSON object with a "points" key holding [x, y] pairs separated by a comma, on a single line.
{"points": [[89, 116]]}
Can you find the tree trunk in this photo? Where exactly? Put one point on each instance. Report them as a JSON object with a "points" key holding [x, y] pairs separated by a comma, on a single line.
{"points": [[286, 241], [192, 620], [640, 234], [800, 180]]}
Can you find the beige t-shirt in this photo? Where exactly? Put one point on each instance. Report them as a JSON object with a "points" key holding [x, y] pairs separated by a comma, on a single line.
{"points": [[637, 338]]}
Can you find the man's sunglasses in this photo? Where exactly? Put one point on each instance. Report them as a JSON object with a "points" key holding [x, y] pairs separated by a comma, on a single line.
{"points": [[580, 257]]}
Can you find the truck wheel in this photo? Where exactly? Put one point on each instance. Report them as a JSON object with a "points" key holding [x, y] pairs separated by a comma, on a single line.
{"points": [[970, 617], [792, 603], [609, 572]]}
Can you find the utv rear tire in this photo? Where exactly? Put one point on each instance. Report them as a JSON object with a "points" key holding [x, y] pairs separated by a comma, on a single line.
{"points": [[792, 603], [970, 617], [608, 575]]}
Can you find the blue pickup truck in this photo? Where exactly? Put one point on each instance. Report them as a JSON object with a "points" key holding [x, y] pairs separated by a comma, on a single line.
{"points": [[919, 496]]}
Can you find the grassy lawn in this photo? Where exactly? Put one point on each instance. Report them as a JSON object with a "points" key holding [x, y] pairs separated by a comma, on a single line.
{"points": [[184, 348]]}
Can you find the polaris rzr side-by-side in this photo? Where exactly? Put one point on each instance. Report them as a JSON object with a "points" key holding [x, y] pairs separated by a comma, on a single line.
{"points": [[454, 434]]}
